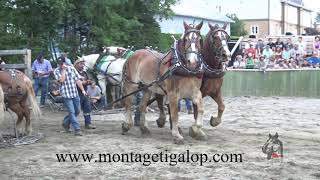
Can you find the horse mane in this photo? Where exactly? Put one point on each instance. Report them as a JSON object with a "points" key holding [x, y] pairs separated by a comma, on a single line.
{"points": [[208, 53]]}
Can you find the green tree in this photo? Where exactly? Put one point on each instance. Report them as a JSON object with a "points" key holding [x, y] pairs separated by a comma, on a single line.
{"points": [[237, 28]]}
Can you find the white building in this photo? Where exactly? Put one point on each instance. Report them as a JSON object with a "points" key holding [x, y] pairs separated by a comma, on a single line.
{"points": [[193, 12], [269, 17]]}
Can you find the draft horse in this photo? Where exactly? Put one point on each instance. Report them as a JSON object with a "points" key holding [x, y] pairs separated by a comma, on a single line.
{"points": [[151, 71], [17, 94], [108, 66], [215, 54]]}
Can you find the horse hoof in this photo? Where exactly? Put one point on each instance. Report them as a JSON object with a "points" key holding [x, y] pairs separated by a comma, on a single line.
{"points": [[145, 130], [125, 127], [178, 141], [197, 133], [161, 122], [214, 121]]}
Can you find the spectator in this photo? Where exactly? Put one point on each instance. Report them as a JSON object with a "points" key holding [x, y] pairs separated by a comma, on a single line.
{"points": [[237, 61], [271, 44], [242, 63], [296, 53], [281, 65], [41, 69], [262, 64], [84, 100], [259, 47], [69, 79], [279, 44], [278, 53], [314, 60], [301, 44], [289, 44], [247, 44], [317, 45], [188, 104], [267, 52], [94, 92], [286, 53], [271, 62], [305, 64], [250, 62], [68, 61], [54, 90], [251, 51]]}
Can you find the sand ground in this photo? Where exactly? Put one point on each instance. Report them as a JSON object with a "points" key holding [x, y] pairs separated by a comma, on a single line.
{"points": [[247, 121]]}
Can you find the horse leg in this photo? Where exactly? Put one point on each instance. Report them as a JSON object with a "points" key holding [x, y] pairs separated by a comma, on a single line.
{"points": [[173, 104], [142, 108], [19, 111], [161, 121], [102, 84], [215, 121], [195, 130], [27, 114], [128, 123]]}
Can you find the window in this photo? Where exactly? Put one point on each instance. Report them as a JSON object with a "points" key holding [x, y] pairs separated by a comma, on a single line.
{"points": [[254, 29]]}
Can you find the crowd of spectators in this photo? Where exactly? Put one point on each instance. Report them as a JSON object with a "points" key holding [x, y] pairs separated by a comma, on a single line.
{"points": [[277, 55]]}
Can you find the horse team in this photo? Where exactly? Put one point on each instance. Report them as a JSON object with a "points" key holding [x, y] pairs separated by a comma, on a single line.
{"points": [[193, 68]]}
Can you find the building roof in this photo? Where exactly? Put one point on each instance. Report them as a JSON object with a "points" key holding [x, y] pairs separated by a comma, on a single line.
{"points": [[200, 11]]}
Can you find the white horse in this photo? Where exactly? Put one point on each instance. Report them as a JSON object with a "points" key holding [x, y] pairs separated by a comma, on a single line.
{"points": [[109, 67]]}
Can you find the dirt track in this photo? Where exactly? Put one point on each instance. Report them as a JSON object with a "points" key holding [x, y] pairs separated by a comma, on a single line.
{"points": [[245, 127]]}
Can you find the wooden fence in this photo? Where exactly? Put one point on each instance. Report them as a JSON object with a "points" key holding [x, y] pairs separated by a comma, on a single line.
{"points": [[27, 60]]}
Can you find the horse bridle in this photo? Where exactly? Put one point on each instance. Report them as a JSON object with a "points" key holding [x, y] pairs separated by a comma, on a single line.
{"points": [[218, 51], [193, 40]]}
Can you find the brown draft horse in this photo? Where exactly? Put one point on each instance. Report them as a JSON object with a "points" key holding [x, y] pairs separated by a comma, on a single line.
{"points": [[215, 53], [147, 66], [16, 92]]}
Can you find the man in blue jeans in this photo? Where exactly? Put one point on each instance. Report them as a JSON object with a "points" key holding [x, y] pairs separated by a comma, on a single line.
{"points": [[188, 104], [41, 69], [84, 100], [69, 79]]}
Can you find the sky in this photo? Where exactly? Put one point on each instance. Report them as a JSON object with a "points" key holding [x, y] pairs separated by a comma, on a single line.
{"points": [[231, 6]]}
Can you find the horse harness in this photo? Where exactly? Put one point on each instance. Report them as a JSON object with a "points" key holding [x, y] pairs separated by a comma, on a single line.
{"points": [[10, 93]]}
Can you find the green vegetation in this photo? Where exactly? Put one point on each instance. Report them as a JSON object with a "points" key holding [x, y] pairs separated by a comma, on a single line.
{"points": [[81, 26], [237, 28]]}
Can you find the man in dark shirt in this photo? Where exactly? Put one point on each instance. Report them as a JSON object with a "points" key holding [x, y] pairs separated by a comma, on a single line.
{"points": [[84, 100]]}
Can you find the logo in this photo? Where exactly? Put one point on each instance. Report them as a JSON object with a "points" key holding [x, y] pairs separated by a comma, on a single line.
{"points": [[273, 148]]}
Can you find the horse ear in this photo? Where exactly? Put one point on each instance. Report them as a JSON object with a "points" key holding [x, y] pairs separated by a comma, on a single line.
{"points": [[276, 136], [199, 25], [211, 27], [225, 26], [270, 136], [78, 57], [186, 26]]}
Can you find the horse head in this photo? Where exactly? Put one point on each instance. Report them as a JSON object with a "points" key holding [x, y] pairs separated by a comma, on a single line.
{"points": [[190, 45], [216, 47], [273, 146]]}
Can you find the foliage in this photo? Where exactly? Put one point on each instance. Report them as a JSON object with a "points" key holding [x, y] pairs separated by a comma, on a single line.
{"points": [[80, 26], [237, 28]]}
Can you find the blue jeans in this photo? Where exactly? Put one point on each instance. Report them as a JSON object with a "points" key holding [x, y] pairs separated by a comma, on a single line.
{"points": [[188, 104], [41, 83], [73, 107], [86, 108]]}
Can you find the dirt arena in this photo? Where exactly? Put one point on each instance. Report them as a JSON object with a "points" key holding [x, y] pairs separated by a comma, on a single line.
{"points": [[247, 121]]}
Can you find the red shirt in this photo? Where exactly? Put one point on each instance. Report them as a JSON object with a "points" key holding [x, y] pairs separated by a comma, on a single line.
{"points": [[252, 51]]}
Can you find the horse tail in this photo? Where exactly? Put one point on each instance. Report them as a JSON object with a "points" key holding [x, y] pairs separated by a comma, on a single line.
{"points": [[32, 99]]}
